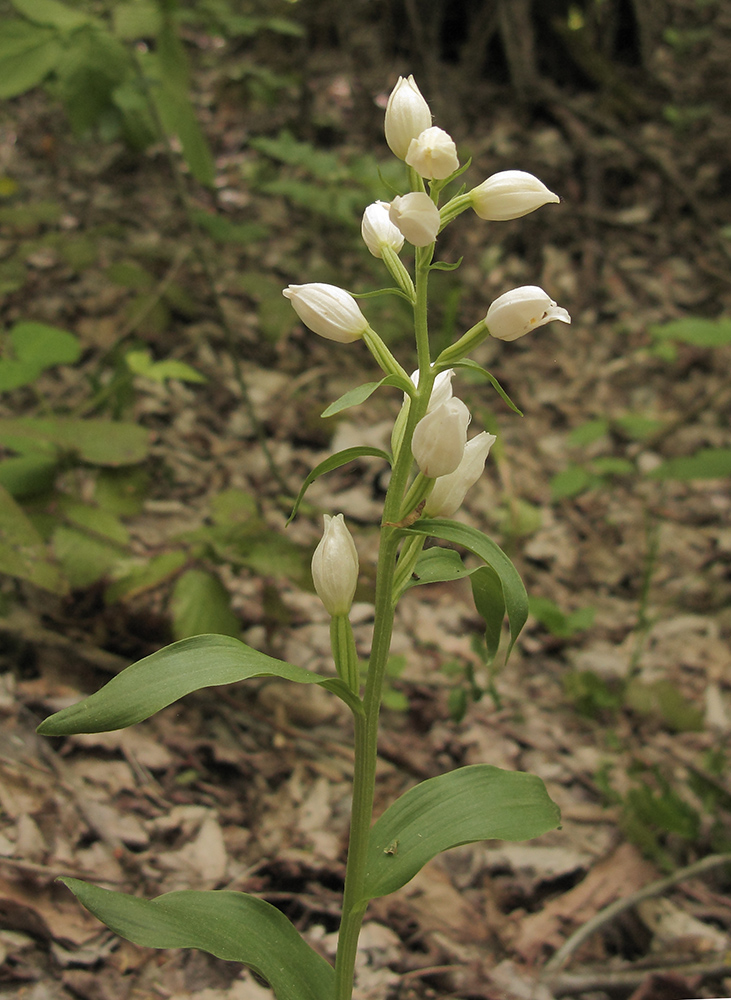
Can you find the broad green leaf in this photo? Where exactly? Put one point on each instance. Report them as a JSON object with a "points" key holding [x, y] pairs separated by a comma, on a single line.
{"points": [[230, 925], [571, 481], [158, 680], [487, 593], [514, 595], [94, 519], [200, 603], [141, 19], [51, 12], [84, 558], [142, 577], [28, 475], [335, 462], [22, 551], [474, 367], [696, 331], [708, 463], [36, 347], [438, 565], [480, 802], [28, 54], [44, 345], [99, 442], [589, 432], [362, 392]]}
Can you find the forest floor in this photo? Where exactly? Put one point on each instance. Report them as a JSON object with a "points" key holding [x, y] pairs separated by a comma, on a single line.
{"points": [[618, 693]]}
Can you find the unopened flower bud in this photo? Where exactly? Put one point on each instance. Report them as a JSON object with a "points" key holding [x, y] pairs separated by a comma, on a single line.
{"points": [[407, 115], [510, 194], [335, 567], [441, 390], [521, 310], [417, 217], [449, 491], [439, 438], [378, 231], [328, 310], [433, 154]]}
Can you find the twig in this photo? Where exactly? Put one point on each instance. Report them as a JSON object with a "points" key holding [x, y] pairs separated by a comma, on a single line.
{"points": [[608, 914], [625, 979]]}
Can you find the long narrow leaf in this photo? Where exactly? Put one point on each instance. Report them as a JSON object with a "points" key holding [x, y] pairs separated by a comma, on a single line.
{"points": [[516, 599], [230, 925], [354, 397], [158, 680], [480, 802], [335, 462]]}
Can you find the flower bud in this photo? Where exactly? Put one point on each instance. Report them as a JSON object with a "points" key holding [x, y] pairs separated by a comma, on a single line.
{"points": [[433, 154], [449, 491], [378, 231], [328, 310], [439, 438], [441, 390], [335, 567], [407, 115], [510, 194], [417, 217], [521, 310]]}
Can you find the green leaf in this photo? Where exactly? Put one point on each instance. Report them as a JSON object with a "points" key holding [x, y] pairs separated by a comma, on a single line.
{"points": [[487, 593], [36, 347], [142, 577], [51, 12], [362, 392], [438, 565], [28, 54], [142, 363], [28, 475], [571, 481], [335, 462], [230, 925], [23, 553], [99, 442], [443, 265], [514, 595], [708, 463], [563, 626], [474, 367], [158, 680], [696, 331], [480, 802], [168, 71], [141, 19], [200, 603], [589, 432], [84, 558]]}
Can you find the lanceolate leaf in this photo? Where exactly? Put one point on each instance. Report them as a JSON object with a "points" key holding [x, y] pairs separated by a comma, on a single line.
{"points": [[361, 393], [515, 597], [473, 366], [230, 925], [99, 442], [480, 802], [335, 462], [160, 679]]}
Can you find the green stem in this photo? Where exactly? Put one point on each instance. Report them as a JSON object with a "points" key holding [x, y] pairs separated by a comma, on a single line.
{"points": [[366, 726]]}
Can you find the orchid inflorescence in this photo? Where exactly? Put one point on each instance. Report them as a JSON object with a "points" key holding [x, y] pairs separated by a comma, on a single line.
{"points": [[439, 443]]}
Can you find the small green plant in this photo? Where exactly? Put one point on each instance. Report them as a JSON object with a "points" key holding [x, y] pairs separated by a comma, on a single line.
{"points": [[432, 467]]}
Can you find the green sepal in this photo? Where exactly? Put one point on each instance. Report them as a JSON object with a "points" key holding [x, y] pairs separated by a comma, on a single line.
{"points": [[474, 367], [514, 594], [480, 802], [354, 397], [158, 680], [230, 925], [335, 462]]}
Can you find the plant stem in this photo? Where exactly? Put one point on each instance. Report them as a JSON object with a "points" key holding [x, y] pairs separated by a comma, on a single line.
{"points": [[366, 726]]}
